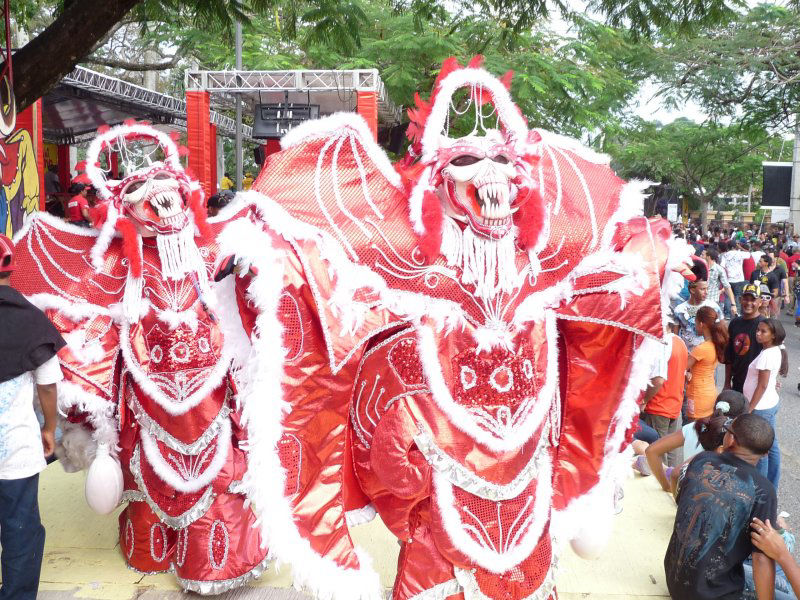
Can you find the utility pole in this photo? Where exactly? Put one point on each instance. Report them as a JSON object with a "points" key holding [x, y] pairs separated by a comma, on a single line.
{"points": [[794, 197], [238, 151]]}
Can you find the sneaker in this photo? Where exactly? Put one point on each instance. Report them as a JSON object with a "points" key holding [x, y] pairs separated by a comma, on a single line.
{"points": [[640, 466]]}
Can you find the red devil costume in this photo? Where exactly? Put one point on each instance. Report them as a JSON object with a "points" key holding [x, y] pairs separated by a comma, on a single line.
{"points": [[147, 388], [459, 348]]}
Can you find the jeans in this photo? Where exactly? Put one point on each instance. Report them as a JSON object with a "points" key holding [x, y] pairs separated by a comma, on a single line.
{"points": [[770, 465], [22, 538], [783, 591], [645, 433]]}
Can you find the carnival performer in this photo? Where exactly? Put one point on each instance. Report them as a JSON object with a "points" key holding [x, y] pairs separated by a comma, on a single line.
{"points": [[464, 341], [147, 391]]}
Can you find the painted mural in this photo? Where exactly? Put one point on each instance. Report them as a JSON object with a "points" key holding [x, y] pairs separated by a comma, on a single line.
{"points": [[19, 171], [19, 181]]}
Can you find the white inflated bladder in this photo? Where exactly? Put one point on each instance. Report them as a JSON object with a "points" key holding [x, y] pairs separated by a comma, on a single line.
{"points": [[103, 482]]}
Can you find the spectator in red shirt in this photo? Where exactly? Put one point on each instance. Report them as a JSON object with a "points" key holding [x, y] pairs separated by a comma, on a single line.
{"points": [[78, 205]]}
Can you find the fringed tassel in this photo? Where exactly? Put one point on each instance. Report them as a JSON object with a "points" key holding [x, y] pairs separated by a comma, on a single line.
{"points": [[132, 298], [489, 265], [179, 255]]}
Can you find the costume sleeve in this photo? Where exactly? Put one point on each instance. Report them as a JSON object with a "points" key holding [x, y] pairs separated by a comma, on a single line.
{"points": [[294, 407], [60, 278]]}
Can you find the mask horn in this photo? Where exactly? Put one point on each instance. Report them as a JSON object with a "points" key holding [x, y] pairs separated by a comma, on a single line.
{"points": [[8, 108]]}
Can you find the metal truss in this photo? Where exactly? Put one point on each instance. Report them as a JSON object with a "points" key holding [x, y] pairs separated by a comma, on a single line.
{"points": [[248, 82], [118, 89]]}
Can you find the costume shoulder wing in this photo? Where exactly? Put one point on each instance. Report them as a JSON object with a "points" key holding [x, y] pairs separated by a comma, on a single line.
{"points": [[294, 408], [55, 272], [619, 272], [332, 194]]}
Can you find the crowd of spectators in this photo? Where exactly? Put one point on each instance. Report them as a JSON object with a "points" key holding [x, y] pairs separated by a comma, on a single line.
{"points": [[718, 453]]}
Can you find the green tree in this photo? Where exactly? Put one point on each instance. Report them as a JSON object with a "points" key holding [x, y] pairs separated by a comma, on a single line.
{"points": [[703, 161], [78, 28], [747, 71]]}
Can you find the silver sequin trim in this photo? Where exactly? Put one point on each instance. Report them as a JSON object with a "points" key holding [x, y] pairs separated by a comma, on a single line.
{"points": [[182, 547], [207, 588], [162, 435], [164, 545], [132, 496], [461, 477], [211, 535], [237, 487], [129, 538], [181, 521]]}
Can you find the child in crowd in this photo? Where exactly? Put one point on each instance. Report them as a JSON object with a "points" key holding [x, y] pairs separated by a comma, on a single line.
{"points": [[729, 404]]}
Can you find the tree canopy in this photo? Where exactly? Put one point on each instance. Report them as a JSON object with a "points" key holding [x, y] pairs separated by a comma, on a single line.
{"points": [[76, 29]]}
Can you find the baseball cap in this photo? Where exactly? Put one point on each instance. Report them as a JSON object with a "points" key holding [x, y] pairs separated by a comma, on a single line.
{"points": [[6, 255], [765, 291], [751, 289]]}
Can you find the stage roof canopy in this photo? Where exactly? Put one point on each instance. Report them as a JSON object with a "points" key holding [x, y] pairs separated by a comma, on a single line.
{"points": [[85, 99], [333, 90]]}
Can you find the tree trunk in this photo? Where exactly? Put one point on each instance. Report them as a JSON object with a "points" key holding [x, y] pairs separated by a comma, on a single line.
{"points": [[704, 215], [42, 62]]}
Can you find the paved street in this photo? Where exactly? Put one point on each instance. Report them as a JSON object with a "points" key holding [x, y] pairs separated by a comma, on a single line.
{"points": [[788, 428]]}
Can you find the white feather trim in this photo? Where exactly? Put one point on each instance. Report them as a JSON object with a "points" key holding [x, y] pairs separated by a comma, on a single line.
{"points": [[506, 110], [338, 124], [94, 172], [179, 482], [415, 200], [174, 319], [37, 218], [74, 311], [261, 396], [76, 449], [564, 142], [631, 204]]}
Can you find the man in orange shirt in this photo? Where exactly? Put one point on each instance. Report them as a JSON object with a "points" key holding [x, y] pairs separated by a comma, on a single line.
{"points": [[664, 396]]}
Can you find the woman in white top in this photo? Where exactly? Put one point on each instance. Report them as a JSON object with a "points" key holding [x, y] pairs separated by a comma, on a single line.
{"points": [[761, 390]]}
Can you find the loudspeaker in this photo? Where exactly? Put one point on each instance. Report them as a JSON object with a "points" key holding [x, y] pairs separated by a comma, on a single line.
{"points": [[777, 185], [271, 121]]}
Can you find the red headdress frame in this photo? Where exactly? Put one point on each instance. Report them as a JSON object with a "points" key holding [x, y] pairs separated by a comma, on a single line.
{"points": [[428, 121], [109, 215]]}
